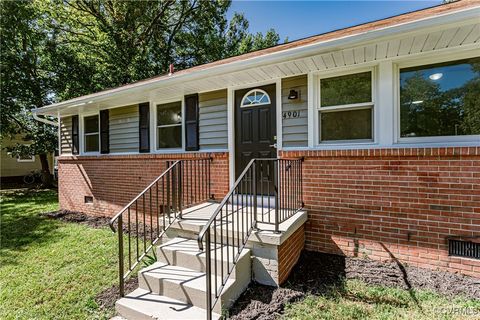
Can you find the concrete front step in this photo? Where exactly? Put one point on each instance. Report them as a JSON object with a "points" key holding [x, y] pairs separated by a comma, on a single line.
{"points": [[185, 253], [144, 305]]}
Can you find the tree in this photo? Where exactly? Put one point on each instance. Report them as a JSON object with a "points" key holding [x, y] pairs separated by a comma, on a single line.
{"points": [[26, 81], [56, 50]]}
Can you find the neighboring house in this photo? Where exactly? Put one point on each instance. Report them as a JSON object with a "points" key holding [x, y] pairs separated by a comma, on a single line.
{"points": [[385, 115], [13, 169]]}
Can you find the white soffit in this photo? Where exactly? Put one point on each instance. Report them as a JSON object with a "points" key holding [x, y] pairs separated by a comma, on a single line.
{"points": [[455, 36]]}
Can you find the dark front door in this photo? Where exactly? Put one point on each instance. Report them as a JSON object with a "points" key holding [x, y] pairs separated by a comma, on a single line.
{"points": [[255, 126]]}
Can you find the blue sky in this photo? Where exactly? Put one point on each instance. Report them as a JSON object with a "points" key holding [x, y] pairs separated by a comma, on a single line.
{"points": [[300, 19]]}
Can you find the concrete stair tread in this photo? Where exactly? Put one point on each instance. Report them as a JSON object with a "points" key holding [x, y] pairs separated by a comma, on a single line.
{"points": [[181, 276], [142, 304], [190, 247]]}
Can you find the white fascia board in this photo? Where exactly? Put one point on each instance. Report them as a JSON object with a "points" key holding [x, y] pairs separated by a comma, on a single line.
{"points": [[271, 58]]}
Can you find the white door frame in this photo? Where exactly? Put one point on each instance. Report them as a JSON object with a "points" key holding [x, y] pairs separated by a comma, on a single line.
{"points": [[231, 119]]}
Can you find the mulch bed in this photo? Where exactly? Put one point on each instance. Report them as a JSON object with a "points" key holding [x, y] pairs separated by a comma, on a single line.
{"points": [[317, 273], [107, 298]]}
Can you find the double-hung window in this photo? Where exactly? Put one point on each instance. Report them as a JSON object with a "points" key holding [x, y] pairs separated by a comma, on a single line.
{"points": [[440, 100], [346, 108], [169, 125], [91, 134]]}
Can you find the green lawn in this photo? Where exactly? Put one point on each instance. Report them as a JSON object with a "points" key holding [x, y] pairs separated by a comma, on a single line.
{"points": [[51, 269], [357, 300]]}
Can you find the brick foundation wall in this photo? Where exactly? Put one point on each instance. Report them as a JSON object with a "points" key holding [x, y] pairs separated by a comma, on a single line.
{"points": [[289, 253], [114, 180], [393, 203]]}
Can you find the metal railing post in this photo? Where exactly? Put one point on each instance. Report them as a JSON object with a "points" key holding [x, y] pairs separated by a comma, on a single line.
{"points": [[208, 275], [254, 191], [120, 256], [180, 190], [276, 190]]}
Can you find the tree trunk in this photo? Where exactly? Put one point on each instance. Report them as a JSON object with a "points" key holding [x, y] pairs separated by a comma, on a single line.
{"points": [[47, 178]]}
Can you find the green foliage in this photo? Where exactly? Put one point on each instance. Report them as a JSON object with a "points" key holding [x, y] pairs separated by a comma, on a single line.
{"points": [[54, 50], [357, 300], [51, 269], [150, 259]]}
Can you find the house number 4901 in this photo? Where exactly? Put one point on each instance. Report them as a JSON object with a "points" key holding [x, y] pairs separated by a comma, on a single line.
{"points": [[291, 114]]}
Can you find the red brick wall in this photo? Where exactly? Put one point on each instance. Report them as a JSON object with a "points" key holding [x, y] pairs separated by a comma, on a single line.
{"points": [[393, 203], [289, 253], [114, 180]]}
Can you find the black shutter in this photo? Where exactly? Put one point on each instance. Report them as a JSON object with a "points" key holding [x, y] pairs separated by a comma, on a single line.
{"points": [[75, 140], [104, 132], [144, 127], [191, 123]]}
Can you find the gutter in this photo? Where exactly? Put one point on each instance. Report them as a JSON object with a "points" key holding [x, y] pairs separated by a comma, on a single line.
{"points": [[275, 57], [43, 120]]}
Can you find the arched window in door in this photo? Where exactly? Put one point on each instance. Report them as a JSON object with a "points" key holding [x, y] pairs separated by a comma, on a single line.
{"points": [[255, 97]]}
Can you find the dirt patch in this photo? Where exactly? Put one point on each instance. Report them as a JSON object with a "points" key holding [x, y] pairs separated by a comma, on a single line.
{"points": [[94, 221], [107, 298], [78, 217], [317, 273]]}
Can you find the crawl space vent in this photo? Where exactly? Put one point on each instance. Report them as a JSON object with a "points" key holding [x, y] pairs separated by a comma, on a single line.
{"points": [[465, 249]]}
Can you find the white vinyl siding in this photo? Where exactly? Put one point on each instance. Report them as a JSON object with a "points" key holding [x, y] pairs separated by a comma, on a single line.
{"points": [[66, 143], [295, 129], [124, 129], [213, 120]]}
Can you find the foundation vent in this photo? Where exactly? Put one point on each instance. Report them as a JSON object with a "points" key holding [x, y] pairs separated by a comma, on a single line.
{"points": [[465, 249]]}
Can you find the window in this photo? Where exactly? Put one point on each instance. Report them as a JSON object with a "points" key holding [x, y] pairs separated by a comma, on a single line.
{"points": [[440, 99], [346, 108], [91, 134], [169, 125], [255, 97], [26, 159]]}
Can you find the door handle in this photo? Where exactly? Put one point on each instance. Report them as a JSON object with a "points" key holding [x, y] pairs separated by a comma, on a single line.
{"points": [[273, 145]]}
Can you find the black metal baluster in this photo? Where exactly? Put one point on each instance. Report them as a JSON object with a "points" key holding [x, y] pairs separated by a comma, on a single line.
{"points": [[129, 241], [136, 225], [144, 225]]}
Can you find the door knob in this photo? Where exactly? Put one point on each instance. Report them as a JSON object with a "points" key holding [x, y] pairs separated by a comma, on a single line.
{"points": [[273, 145]]}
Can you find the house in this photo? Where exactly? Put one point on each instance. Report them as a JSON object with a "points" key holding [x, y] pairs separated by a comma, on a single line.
{"points": [[14, 169], [374, 132]]}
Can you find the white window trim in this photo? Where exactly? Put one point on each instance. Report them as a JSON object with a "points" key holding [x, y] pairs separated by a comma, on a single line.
{"points": [[83, 134], [355, 106], [465, 139], [32, 159], [253, 104], [155, 127]]}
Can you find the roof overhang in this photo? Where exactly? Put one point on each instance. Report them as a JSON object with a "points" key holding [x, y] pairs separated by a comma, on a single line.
{"points": [[221, 76]]}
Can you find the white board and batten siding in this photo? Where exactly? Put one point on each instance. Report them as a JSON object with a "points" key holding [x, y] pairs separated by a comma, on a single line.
{"points": [[124, 131], [213, 120], [295, 112]]}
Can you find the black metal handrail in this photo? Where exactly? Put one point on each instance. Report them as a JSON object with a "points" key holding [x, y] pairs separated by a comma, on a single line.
{"points": [[237, 216], [183, 184]]}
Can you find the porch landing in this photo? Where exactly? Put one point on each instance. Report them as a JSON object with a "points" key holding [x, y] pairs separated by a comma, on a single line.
{"points": [[264, 243]]}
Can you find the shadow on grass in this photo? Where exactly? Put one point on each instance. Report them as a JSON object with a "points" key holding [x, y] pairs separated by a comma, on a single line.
{"points": [[21, 223]]}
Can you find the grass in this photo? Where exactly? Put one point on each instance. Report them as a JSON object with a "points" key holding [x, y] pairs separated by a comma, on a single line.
{"points": [[51, 269], [357, 300]]}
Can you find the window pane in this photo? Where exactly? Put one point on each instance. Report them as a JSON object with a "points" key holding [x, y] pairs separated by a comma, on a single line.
{"points": [[91, 124], [346, 125], [169, 137], [349, 89], [169, 113], [440, 100], [92, 143]]}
